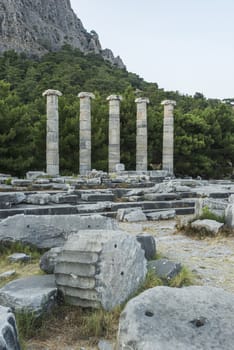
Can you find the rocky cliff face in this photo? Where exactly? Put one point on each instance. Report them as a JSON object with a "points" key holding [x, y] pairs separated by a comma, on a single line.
{"points": [[38, 26]]}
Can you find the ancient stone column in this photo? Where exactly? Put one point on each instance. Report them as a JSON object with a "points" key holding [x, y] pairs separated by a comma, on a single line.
{"points": [[52, 136], [168, 137], [114, 131], [85, 131], [141, 137]]}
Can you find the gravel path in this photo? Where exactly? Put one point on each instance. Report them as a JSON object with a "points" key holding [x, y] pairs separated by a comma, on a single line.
{"points": [[211, 259]]}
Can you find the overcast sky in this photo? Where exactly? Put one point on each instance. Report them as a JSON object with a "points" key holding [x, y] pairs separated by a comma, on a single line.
{"points": [[184, 45]]}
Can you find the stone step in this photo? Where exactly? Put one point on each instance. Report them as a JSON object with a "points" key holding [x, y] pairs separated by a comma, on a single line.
{"points": [[113, 207]]}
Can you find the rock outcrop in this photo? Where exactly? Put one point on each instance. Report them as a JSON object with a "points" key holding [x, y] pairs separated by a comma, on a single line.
{"points": [[36, 27]]}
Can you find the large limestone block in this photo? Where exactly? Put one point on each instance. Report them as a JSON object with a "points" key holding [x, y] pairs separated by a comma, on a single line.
{"points": [[8, 199], [8, 330], [48, 231], [229, 216], [100, 268], [34, 294], [211, 226], [164, 318]]}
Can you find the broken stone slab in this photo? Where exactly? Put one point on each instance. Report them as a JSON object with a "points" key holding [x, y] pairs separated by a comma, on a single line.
{"points": [[8, 199], [178, 318], [48, 231], [34, 294], [38, 198], [131, 214], [8, 330], [31, 175], [100, 268], [161, 215], [160, 196], [21, 183], [148, 244], [7, 274], [61, 198], [164, 268], [229, 216], [211, 226], [48, 260], [19, 257]]}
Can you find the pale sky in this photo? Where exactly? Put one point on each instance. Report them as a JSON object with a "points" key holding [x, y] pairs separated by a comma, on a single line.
{"points": [[183, 45]]}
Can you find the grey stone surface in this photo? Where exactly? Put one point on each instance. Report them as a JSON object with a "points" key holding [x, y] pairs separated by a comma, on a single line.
{"points": [[36, 28], [48, 231], [96, 268], [164, 268], [161, 215], [49, 259], [21, 182], [19, 257], [229, 216], [166, 318], [211, 226], [31, 175], [8, 330], [34, 294], [148, 244], [9, 199], [38, 198]]}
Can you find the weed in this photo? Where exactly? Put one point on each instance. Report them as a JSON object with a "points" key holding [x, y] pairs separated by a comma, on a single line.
{"points": [[184, 279], [208, 214]]}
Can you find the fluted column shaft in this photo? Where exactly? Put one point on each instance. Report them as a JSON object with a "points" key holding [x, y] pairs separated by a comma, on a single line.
{"points": [[114, 131], [52, 135], [85, 131], [141, 135], [168, 137]]}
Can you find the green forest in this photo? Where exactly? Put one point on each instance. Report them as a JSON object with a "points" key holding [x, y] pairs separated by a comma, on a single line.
{"points": [[204, 128]]}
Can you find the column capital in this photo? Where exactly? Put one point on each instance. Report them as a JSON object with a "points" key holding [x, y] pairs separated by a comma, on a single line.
{"points": [[142, 100], [168, 102], [86, 94], [51, 92], [114, 97]]}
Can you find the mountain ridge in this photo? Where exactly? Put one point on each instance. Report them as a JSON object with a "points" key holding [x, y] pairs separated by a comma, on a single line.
{"points": [[37, 27]]}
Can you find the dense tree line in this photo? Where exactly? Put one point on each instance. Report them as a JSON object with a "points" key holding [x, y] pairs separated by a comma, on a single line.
{"points": [[204, 128]]}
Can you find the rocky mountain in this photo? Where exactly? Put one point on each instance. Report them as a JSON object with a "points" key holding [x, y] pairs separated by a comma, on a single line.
{"points": [[39, 26]]}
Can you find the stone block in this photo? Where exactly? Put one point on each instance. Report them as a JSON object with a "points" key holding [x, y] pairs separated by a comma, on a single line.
{"points": [[9, 199], [161, 215], [38, 198], [19, 257], [96, 270], [148, 244], [8, 330], [49, 231], [178, 318], [211, 226], [164, 268], [130, 214], [7, 274], [229, 216], [119, 167], [34, 294]]}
